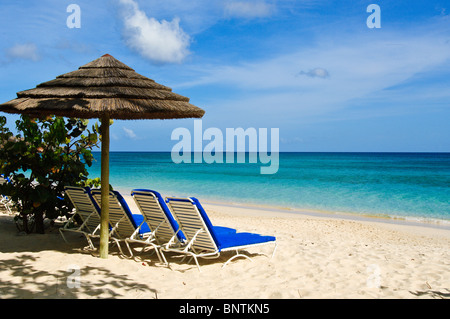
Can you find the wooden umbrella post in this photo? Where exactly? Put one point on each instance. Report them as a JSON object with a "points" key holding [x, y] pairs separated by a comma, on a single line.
{"points": [[104, 225]]}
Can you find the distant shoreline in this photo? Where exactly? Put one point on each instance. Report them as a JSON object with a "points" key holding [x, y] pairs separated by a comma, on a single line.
{"points": [[407, 221], [402, 220]]}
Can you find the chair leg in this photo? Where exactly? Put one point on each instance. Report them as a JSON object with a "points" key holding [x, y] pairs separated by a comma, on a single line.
{"points": [[89, 240], [274, 249], [62, 235], [129, 248], [164, 260], [196, 262], [236, 256], [193, 256], [117, 242], [158, 253], [155, 248]]}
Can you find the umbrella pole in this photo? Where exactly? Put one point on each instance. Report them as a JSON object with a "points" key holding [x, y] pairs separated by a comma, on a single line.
{"points": [[104, 225]]}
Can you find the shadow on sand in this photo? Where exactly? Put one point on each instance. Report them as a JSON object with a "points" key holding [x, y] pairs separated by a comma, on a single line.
{"points": [[24, 280]]}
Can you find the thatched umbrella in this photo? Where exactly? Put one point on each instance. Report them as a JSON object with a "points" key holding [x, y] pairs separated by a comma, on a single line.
{"points": [[106, 89]]}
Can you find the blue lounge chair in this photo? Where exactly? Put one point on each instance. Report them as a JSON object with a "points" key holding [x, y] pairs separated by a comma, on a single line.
{"points": [[125, 226], [87, 210], [203, 241], [164, 227]]}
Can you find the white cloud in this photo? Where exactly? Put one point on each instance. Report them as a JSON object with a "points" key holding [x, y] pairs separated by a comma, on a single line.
{"points": [[316, 73], [246, 9], [27, 51], [160, 42], [129, 133]]}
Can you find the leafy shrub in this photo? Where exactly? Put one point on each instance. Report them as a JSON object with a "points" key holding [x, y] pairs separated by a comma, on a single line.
{"points": [[45, 155]]}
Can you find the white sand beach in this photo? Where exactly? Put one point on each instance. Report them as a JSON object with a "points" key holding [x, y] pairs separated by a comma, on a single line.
{"points": [[317, 257]]}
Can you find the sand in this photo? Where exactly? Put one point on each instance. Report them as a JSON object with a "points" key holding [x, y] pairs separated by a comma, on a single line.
{"points": [[318, 256]]}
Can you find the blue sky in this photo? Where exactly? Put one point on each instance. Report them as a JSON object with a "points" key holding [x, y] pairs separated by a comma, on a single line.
{"points": [[311, 68]]}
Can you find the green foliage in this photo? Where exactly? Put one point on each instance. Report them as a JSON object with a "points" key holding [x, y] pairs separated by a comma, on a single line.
{"points": [[46, 155]]}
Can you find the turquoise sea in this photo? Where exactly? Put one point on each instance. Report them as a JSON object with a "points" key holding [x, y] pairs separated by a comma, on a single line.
{"points": [[412, 186]]}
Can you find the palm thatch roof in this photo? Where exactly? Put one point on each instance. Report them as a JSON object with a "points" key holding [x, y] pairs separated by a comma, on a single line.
{"points": [[104, 85]]}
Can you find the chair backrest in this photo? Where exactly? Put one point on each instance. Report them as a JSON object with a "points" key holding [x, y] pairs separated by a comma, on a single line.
{"points": [[193, 222], [120, 215], [84, 205], [157, 214]]}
